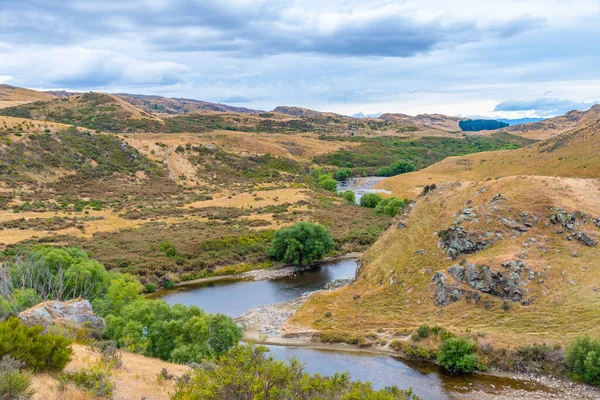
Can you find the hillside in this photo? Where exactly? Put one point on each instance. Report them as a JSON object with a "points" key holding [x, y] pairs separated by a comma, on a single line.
{"points": [[12, 96], [504, 248], [425, 121], [555, 126], [159, 104]]}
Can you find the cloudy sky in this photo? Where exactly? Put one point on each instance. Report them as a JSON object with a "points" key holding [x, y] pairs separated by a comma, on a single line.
{"points": [[507, 58]]}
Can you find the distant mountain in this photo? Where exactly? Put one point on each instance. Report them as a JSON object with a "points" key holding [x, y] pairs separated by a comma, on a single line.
{"points": [[519, 121], [61, 93], [166, 105]]}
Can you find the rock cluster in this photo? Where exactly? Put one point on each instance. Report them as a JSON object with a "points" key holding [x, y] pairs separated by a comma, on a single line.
{"points": [[570, 222], [445, 293], [508, 284], [457, 241], [75, 313]]}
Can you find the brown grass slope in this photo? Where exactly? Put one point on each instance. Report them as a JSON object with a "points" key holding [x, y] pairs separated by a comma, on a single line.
{"points": [[11, 96], [395, 290]]}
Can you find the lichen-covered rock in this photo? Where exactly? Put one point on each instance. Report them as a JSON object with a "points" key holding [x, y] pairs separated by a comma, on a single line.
{"points": [[75, 313], [457, 241], [564, 219]]}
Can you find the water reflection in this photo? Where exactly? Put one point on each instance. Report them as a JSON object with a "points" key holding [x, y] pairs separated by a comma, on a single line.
{"points": [[234, 299]]}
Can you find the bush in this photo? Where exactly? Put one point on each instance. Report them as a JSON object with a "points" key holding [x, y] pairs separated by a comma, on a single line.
{"points": [[301, 243], [343, 174], [370, 200], [390, 206], [328, 183], [171, 333], [246, 372], [458, 355], [37, 351], [349, 196], [397, 168], [14, 383], [95, 381], [423, 331], [582, 359]]}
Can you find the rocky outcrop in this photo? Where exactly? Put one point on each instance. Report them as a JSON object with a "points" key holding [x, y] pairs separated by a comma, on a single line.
{"points": [[444, 293], [564, 219], [508, 283], [75, 313], [457, 241]]}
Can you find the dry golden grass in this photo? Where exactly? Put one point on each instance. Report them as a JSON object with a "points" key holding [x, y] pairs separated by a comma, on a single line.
{"points": [[395, 290], [255, 199], [137, 379], [17, 94]]}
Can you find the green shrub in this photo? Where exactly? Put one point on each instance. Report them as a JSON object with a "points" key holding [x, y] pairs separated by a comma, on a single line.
{"points": [[14, 383], [390, 206], [172, 333], [39, 352], [582, 359], [397, 168], [423, 331], [327, 183], [343, 174], [150, 288], [247, 372], [301, 243], [370, 200], [349, 196], [458, 355]]}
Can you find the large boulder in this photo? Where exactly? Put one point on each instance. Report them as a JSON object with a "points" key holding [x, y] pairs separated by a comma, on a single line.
{"points": [[75, 313]]}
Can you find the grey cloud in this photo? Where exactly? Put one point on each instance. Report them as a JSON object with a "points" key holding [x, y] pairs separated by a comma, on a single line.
{"points": [[543, 106], [253, 29]]}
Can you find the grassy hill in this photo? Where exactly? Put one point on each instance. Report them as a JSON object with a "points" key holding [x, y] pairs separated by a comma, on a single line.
{"points": [[503, 249], [96, 111]]}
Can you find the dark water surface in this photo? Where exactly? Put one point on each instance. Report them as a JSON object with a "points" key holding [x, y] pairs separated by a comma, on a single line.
{"points": [[361, 186], [235, 298]]}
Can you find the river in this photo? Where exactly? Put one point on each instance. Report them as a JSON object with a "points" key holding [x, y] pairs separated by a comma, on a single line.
{"points": [[234, 298]]}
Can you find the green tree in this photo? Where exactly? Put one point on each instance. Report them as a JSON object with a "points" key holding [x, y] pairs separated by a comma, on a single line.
{"points": [[370, 200], [301, 243], [247, 372], [582, 359], [458, 355]]}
